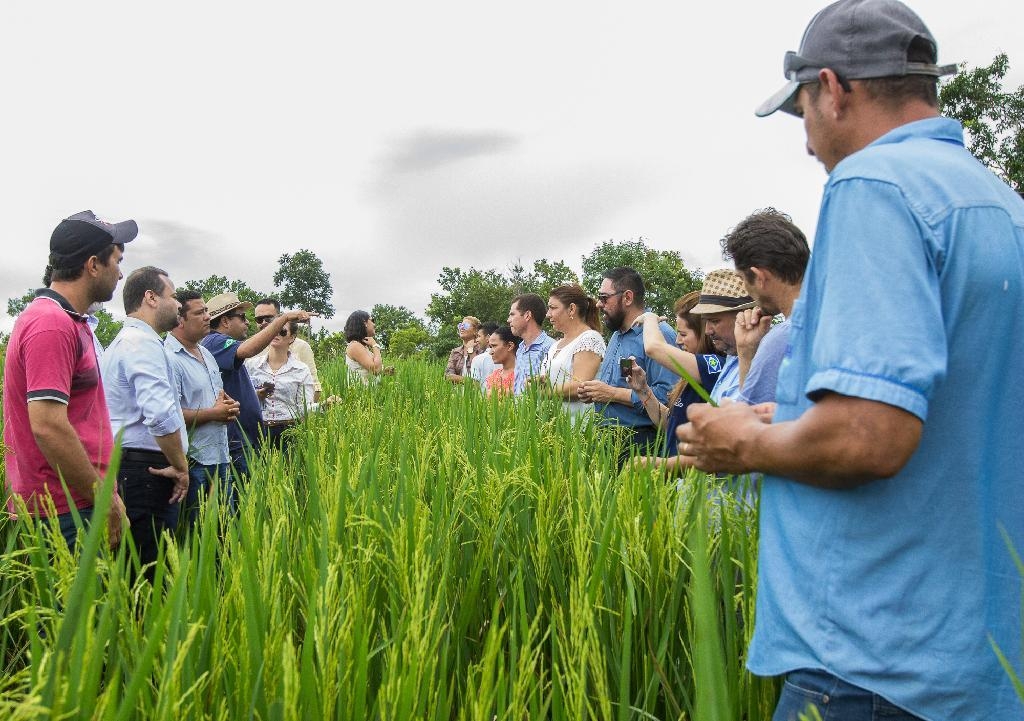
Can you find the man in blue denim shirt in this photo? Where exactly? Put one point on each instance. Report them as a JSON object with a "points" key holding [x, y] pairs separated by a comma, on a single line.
{"points": [[893, 460], [621, 301]]}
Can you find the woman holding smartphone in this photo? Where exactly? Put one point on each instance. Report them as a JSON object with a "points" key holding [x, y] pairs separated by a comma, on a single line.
{"points": [[287, 381]]}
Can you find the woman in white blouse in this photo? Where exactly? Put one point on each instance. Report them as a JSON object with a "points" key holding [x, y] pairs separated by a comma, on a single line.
{"points": [[576, 357], [284, 383]]}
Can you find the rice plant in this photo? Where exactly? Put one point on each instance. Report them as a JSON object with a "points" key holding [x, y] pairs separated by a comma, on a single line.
{"points": [[420, 552]]}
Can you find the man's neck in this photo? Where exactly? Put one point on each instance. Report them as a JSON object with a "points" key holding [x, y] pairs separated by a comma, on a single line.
{"points": [[187, 343], [75, 293], [531, 335], [145, 319], [630, 319]]}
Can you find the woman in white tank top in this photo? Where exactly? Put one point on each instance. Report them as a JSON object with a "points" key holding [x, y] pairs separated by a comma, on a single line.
{"points": [[576, 357]]}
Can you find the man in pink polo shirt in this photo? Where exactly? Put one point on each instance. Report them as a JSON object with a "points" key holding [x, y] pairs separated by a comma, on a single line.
{"points": [[56, 423]]}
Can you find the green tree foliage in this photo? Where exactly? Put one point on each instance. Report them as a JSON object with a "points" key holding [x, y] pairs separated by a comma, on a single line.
{"points": [[217, 284], [304, 283], [389, 318], [409, 341], [666, 278], [16, 305], [992, 118], [107, 328]]}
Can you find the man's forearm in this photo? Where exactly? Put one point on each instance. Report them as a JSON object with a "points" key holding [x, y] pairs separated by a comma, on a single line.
{"points": [[839, 442], [66, 454], [170, 445]]}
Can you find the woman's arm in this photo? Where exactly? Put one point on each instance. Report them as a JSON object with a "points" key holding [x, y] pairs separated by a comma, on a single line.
{"points": [[365, 354], [585, 365], [664, 353]]}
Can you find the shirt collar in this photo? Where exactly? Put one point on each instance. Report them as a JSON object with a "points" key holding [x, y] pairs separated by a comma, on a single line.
{"points": [[142, 325], [943, 129], [61, 301]]}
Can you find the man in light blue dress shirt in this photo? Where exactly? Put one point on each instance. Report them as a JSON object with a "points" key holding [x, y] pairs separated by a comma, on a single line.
{"points": [[524, 318], [144, 411], [207, 409]]}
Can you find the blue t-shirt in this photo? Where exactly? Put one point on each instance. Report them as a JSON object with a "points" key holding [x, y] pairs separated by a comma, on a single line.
{"points": [[913, 298], [759, 385], [709, 366], [237, 385], [529, 359]]}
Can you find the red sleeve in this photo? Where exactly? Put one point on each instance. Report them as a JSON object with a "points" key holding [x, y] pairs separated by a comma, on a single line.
{"points": [[50, 355]]}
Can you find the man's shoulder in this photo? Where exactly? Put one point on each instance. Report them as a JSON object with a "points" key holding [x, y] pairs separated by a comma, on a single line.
{"points": [[216, 342], [301, 344]]}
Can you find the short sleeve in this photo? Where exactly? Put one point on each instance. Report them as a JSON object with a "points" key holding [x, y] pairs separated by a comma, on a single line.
{"points": [[895, 353], [224, 350], [590, 341], [50, 356]]}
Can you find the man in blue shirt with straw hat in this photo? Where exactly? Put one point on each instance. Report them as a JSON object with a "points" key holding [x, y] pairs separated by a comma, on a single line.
{"points": [[893, 461]]}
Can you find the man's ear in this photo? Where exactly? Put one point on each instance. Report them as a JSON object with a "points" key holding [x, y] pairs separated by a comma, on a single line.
{"points": [[836, 96], [758, 277]]}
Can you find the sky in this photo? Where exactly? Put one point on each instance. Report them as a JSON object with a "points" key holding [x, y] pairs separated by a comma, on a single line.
{"points": [[395, 138]]}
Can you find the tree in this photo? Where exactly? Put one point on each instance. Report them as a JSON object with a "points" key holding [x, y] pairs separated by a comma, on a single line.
{"points": [[304, 283], [993, 120], [666, 278], [16, 305], [217, 284], [105, 331], [408, 341], [389, 318]]}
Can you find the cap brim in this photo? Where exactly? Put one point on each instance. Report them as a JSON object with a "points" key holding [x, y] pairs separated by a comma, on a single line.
{"points": [[709, 308], [784, 100], [124, 232]]}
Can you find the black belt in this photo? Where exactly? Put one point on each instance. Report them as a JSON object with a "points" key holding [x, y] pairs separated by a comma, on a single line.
{"points": [[139, 455]]}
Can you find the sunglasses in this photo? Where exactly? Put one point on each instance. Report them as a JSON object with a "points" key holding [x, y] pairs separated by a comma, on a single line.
{"points": [[603, 297], [237, 315], [465, 326], [283, 333], [264, 319]]}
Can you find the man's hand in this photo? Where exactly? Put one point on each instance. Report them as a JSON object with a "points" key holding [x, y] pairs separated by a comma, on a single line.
{"points": [[596, 392], [117, 521], [300, 316], [751, 326], [714, 438], [180, 479], [225, 409], [637, 379]]}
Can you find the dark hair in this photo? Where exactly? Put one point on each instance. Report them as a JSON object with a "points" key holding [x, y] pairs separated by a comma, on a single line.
{"points": [[215, 322], [65, 275], [704, 345], [533, 303], [184, 297], [141, 280], [488, 327], [625, 278], [507, 336], [768, 239], [293, 328], [895, 90], [572, 293], [355, 326], [270, 301]]}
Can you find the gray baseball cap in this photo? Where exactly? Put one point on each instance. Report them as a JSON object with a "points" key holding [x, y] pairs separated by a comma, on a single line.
{"points": [[857, 39], [83, 234]]}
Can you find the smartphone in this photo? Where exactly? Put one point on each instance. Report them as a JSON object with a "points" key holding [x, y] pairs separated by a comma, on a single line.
{"points": [[268, 387], [626, 366]]}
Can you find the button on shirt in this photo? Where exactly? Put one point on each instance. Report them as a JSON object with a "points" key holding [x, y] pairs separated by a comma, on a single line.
{"points": [[529, 359], [139, 384], [903, 585], [660, 379], [293, 387], [198, 383]]}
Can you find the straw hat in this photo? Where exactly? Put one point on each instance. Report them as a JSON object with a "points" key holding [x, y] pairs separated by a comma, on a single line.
{"points": [[220, 304], [722, 292]]}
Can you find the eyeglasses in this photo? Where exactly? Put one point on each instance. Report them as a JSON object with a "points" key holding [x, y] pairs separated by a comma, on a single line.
{"points": [[283, 333], [603, 297], [465, 326], [264, 319]]}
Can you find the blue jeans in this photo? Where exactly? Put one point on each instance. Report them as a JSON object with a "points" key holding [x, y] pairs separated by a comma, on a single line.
{"points": [[66, 523], [835, 700]]}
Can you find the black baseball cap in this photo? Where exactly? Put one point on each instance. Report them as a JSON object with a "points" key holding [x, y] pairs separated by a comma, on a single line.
{"points": [[82, 235], [858, 39]]}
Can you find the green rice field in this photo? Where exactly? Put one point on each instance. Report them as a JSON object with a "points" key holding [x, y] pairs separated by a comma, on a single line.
{"points": [[421, 553]]}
